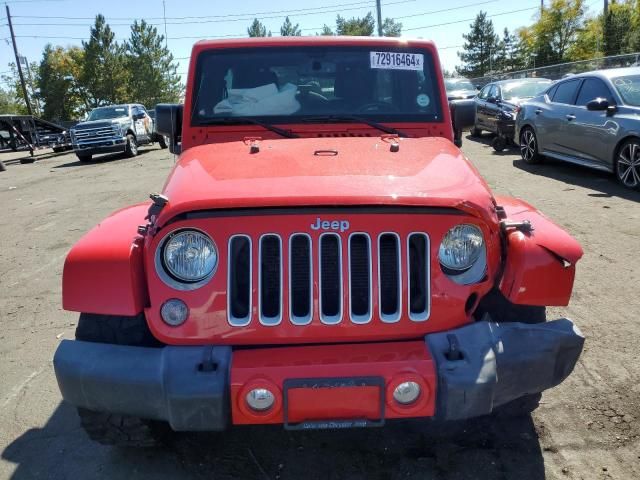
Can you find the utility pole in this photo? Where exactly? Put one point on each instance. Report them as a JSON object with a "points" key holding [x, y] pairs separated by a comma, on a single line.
{"points": [[541, 6], [606, 7], [164, 15], [379, 10], [15, 51]]}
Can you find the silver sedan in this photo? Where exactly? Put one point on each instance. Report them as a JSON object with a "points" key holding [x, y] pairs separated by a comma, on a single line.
{"points": [[591, 119]]}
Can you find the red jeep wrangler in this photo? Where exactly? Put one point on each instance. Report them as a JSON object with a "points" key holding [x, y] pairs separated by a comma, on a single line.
{"points": [[321, 256]]}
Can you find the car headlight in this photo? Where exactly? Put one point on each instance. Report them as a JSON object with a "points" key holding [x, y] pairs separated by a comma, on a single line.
{"points": [[462, 254], [189, 256]]}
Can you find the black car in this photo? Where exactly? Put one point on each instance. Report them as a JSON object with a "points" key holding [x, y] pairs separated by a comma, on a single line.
{"points": [[498, 103]]}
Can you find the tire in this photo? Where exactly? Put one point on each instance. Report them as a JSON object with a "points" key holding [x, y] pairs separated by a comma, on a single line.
{"points": [[26, 160], [475, 131], [84, 158], [529, 146], [163, 141], [502, 310], [59, 149], [627, 164], [131, 148], [499, 143], [109, 428]]}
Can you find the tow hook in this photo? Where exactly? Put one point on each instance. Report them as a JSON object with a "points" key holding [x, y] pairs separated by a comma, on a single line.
{"points": [[453, 354]]}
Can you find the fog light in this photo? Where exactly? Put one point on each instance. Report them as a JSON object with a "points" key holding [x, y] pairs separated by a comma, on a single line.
{"points": [[406, 393], [174, 312], [260, 399]]}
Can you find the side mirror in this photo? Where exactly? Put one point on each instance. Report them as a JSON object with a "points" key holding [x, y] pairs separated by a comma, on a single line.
{"points": [[598, 104], [492, 100], [169, 123], [463, 115], [138, 116]]}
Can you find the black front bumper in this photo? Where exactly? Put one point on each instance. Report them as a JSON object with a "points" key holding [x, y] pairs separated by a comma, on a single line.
{"points": [[105, 146], [479, 367]]}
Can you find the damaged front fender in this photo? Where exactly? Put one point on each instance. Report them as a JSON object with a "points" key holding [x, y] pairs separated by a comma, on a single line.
{"points": [[540, 264]]}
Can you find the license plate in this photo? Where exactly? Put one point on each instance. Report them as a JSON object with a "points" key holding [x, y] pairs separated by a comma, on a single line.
{"points": [[397, 60], [362, 399]]}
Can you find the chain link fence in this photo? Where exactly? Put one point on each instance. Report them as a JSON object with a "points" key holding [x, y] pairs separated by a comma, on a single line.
{"points": [[555, 72]]}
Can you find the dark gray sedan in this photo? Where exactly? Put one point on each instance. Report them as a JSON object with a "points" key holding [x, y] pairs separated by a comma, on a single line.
{"points": [[592, 119]]}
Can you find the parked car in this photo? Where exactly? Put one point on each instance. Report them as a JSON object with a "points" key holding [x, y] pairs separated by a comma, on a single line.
{"points": [[592, 119], [311, 263], [116, 128], [459, 88], [162, 140], [497, 105]]}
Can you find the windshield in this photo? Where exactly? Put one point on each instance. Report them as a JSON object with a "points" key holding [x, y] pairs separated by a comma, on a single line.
{"points": [[629, 89], [524, 89], [456, 84], [283, 85], [106, 113]]}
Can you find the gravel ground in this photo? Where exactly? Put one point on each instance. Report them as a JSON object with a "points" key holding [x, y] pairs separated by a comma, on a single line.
{"points": [[587, 428]]}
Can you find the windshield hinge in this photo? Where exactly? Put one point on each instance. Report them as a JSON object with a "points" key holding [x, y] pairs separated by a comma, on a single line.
{"points": [[392, 140], [159, 201], [523, 226]]}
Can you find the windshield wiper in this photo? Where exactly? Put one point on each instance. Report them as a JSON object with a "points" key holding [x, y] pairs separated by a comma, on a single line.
{"points": [[357, 119], [252, 121]]}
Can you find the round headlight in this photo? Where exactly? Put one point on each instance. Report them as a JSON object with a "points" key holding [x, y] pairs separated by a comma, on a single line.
{"points": [[461, 247], [190, 256]]}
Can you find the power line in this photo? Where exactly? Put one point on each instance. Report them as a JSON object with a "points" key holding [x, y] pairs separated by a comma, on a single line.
{"points": [[468, 19]]}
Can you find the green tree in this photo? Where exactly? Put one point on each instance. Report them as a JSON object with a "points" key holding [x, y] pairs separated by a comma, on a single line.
{"points": [[12, 80], [355, 26], [619, 29], [480, 48], [153, 71], [326, 31], [104, 76], [588, 43], [11, 104], [551, 36], [288, 29], [59, 91], [391, 28], [257, 29]]}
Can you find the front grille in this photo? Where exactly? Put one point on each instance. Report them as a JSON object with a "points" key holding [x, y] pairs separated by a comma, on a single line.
{"points": [[394, 283], [97, 133]]}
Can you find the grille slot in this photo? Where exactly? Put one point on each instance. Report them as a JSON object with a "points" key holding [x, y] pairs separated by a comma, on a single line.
{"points": [[239, 281], [270, 279], [330, 262], [389, 277], [418, 276], [360, 278], [300, 279]]}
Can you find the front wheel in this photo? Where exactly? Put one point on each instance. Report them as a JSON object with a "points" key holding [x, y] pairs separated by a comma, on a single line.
{"points": [[109, 428], [163, 141], [499, 143], [131, 148], [529, 146], [84, 158], [475, 131], [627, 165]]}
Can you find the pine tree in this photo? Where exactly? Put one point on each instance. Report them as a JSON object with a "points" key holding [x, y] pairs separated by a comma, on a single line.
{"points": [[257, 29], [290, 30], [480, 48], [617, 25], [326, 31], [356, 26], [391, 28], [154, 78], [104, 75]]}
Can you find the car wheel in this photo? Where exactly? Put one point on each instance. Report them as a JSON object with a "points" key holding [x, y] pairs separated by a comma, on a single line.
{"points": [[108, 428], [163, 141], [627, 165], [131, 148], [475, 131], [499, 143], [529, 146], [84, 158]]}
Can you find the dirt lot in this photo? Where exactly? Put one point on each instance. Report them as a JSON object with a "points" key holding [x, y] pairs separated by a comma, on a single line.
{"points": [[588, 428]]}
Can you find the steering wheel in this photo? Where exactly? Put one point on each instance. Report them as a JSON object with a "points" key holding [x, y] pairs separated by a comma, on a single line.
{"points": [[377, 107]]}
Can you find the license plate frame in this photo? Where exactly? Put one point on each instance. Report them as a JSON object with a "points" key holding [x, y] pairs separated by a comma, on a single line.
{"points": [[332, 382]]}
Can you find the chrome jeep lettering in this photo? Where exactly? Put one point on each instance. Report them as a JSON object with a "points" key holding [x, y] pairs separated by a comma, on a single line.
{"points": [[341, 225]]}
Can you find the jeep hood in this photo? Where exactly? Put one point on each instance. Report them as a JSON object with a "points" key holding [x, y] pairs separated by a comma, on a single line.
{"points": [[359, 171]]}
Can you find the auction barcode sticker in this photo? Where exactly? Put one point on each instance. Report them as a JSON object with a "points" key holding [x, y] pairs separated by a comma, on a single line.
{"points": [[397, 60]]}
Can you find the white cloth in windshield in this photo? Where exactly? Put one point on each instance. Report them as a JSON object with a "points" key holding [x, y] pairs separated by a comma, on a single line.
{"points": [[262, 100]]}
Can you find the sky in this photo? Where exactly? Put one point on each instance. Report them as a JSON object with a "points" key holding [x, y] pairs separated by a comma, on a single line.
{"points": [[67, 22]]}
